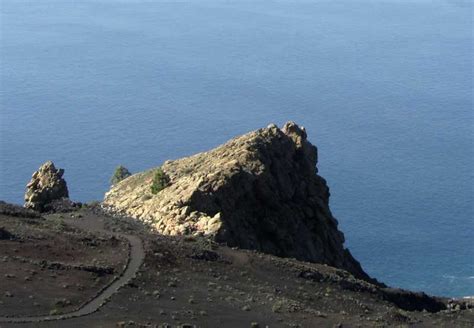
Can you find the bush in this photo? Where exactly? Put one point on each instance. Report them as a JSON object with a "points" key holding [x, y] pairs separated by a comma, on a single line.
{"points": [[160, 181], [121, 172]]}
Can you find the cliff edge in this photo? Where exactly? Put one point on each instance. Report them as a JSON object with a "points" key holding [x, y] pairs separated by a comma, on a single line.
{"points": [[258, 191]]}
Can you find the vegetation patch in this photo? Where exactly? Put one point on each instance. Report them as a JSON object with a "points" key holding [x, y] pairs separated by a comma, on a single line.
{"points": [[160, 181], [120, 173]]}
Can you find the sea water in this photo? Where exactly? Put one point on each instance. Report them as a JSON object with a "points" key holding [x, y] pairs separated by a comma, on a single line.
{"points": [[384, 89]]}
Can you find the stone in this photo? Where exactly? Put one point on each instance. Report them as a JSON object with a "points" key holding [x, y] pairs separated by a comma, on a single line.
{"points": [[172, 284], [46, 186], [259, 191]]}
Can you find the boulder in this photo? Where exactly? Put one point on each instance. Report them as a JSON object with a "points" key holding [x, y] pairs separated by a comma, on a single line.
{"points": [[258, 191], [45, 187]]}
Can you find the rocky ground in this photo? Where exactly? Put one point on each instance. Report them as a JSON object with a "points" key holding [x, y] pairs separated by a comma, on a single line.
{"points": [[47, 266], [53, 264]]}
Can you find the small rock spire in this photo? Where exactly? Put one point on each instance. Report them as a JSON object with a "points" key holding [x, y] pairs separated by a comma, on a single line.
{"points": [[46, 185]]}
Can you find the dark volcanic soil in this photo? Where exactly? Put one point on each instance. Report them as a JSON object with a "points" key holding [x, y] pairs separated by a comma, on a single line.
{"points": [[49, 267], [188, 281]]}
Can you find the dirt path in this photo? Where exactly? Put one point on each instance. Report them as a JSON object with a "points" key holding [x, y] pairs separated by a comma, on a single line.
{"points": [[137, 256]]}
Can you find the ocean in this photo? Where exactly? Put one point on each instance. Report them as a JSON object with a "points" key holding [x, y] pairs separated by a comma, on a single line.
{"points": [[384, 88]]}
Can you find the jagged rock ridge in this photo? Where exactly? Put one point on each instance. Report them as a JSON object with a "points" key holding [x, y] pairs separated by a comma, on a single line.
{"points": [[258, 191]]}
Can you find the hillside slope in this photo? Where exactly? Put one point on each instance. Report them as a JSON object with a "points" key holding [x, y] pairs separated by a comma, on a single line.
{"points": [[187, 281]]}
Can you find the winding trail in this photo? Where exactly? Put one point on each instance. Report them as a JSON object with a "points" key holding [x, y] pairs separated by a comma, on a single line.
{"points": [[137, 255]]}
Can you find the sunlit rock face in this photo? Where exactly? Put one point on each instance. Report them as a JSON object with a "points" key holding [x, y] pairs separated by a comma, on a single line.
{"points": [[258, 191]]}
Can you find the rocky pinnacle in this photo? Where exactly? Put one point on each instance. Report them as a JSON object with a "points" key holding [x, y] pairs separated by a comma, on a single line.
{"points": [[46, 185]]}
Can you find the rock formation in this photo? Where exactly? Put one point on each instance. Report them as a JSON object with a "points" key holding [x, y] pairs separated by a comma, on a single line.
{"points": [[259, 191], [45, 188]]}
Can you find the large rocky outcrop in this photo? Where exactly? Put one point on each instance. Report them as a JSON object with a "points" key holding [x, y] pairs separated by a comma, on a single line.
{"points": [[258, 191], [46, 188]]}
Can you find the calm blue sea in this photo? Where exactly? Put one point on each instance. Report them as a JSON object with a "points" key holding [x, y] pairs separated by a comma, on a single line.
{"points": [[385, 89]]}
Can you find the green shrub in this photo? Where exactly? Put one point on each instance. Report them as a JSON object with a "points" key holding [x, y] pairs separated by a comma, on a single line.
{"points": [[160, 181], [121, 172]]}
